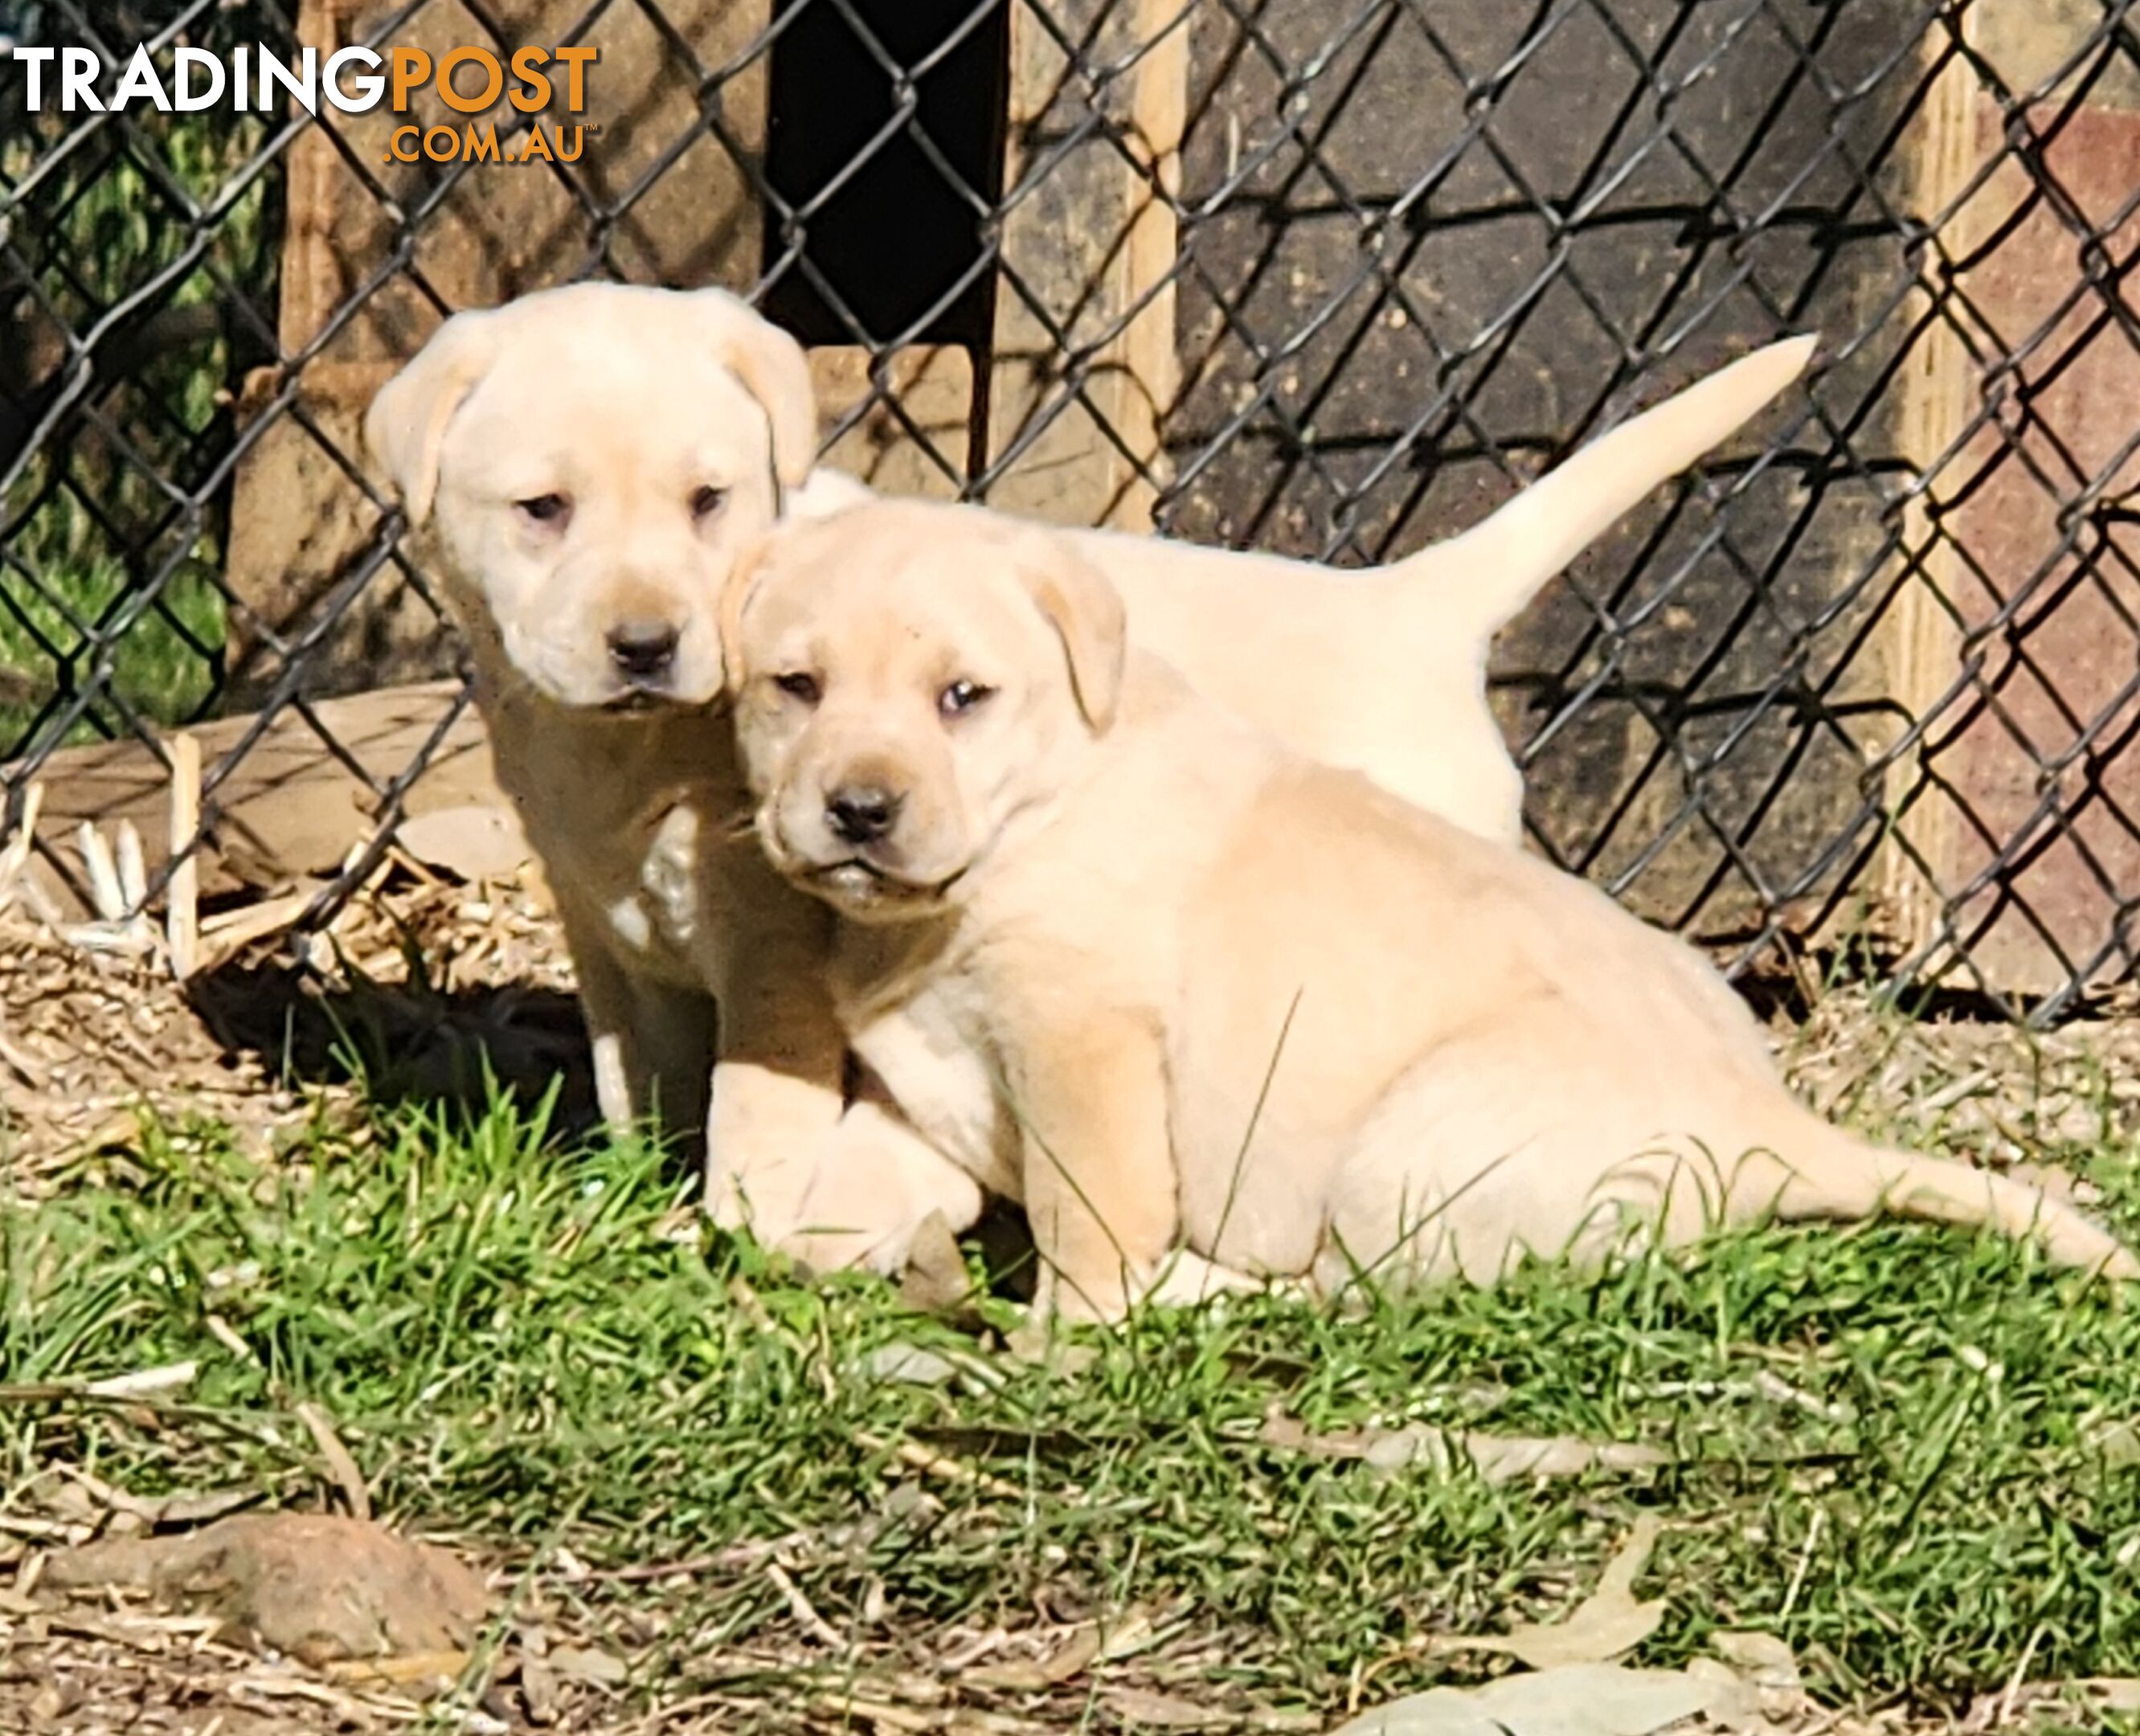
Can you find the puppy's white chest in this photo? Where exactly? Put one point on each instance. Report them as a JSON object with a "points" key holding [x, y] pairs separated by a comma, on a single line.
{"points": [[930, 1059]]}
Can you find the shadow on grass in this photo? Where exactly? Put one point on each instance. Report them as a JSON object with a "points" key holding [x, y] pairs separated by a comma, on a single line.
{"points": [[403, 1043], [466, 1050]]}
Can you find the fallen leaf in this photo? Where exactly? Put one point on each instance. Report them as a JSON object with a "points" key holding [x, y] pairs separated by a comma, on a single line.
{"points": [[1093, 1643], [1509, 1459], [909, 1365], [1762, 1693], [538, 1689], [198, 1509], [1761, 1659], [904, 1364], [440, 1667], [2118, 1693], [1606, 1624], [1279, 1721], [2040, 1706], [1127, 1634], [1033, 1675], [1039, 1338], [1164, 1712], [1497, 1458], [1575, 1699], [146, 1383]]}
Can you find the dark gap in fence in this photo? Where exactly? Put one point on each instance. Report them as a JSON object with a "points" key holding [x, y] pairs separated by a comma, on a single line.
{"points": [[896, 84]]}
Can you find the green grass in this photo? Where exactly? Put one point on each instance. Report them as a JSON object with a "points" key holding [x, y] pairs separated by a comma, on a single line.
{"points": [[88, 531], [158, 668], [514, 1342]]}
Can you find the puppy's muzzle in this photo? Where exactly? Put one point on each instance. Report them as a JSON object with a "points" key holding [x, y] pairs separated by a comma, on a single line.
{"points": [[644, 653], [862, 813]]}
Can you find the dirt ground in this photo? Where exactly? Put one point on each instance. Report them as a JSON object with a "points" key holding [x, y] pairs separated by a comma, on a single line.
{"points": [[417, 983], [423, 981], [419, 986], [103, 1664]]}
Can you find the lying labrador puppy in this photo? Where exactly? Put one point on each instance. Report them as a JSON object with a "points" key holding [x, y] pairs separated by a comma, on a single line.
{"points": [[596, 457], [1141, 965]]}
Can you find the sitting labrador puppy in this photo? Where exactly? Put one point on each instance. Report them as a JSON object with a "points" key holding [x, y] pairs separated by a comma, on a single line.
{"points": [[1142, 965], [596, 456]]}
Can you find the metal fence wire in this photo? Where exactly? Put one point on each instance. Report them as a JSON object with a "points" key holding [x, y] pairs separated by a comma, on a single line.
{"points": [[1328, 277]]}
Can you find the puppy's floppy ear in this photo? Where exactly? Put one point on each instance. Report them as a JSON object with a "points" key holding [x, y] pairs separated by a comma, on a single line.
{"points": [[735, 598], [774, 370], [1087, 612], [406, 425]]}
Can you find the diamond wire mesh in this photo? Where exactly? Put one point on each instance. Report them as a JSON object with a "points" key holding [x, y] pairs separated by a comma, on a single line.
{"points": [[1875, 674]]}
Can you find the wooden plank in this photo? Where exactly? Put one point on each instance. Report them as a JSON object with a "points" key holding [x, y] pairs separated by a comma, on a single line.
{"points": [[1089, 247], [1935, 392], [300, 525], [287, 808], [934, 387], [503, 229], [2015, 653]]}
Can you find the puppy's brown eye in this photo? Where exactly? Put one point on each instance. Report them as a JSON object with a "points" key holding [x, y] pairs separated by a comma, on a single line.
{"points": [[803, 689], [961, 698], [545, 509], [707, 500]]}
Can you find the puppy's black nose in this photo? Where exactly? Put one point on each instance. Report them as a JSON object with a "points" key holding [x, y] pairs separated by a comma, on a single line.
{"points": [[642, 650], [862, 813]]}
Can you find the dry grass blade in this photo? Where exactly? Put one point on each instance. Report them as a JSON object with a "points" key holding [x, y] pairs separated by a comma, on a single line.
{"points": [[932, 1463], [16, 857], [107, 896], [803, 1610], [340, 1466], [423, 1666], [881, 1714], [163, 1509], [132, 862]]}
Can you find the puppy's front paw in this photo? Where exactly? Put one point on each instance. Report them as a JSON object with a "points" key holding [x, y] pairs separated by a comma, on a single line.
{"points": [[1100, 1297], [1185, 1279], [876, 1184], [766, 1136]]}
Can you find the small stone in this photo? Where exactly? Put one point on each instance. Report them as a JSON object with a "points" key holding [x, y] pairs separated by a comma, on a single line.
{"points": [[317, 1586]]}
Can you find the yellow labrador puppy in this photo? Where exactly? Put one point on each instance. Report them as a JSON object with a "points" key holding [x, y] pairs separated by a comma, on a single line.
{"points": [[1142, 965], [596, 456]]}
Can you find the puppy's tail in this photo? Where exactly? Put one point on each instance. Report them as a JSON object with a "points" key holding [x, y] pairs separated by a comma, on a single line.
{"points": [[1831, 1175], [1481, 579]]}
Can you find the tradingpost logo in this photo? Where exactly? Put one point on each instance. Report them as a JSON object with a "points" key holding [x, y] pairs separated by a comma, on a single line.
{"points": [[534, 80]]}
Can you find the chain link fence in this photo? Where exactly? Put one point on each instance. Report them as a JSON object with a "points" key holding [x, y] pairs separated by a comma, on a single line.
{"points": [[1328, 277]]}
